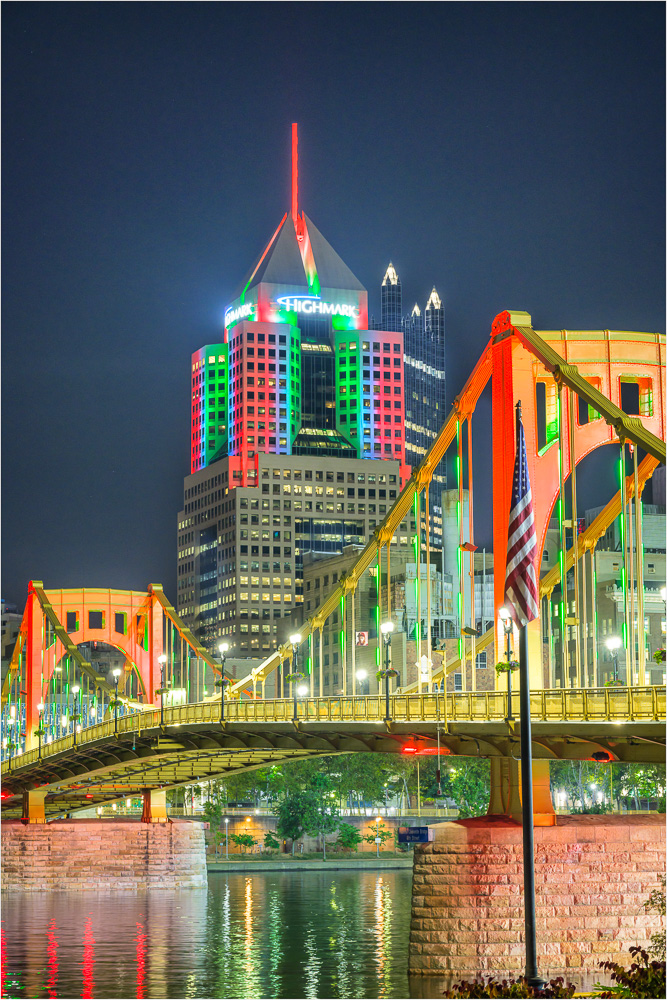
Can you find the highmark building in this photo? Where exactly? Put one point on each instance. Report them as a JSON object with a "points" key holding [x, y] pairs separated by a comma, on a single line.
{"points": [[297, 441]]}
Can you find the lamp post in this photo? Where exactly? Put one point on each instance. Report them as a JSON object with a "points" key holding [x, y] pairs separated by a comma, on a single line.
{"points": [[387, 628], [116, 675], [506, 619], [75, 715], [223, 682], [377, 836], [613, 645], [40, 729], [227, 838], [295, 641], [162, 689]]}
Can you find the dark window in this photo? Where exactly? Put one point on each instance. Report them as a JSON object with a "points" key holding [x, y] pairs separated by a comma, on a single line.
{"points": [[72, 621], [95, 619], [120, 622], [630, 397]]}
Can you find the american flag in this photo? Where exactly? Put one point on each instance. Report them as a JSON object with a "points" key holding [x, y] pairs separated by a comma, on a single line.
{"points": [[520, 579]]}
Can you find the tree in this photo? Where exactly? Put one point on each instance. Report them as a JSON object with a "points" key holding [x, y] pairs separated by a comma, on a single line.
{"points": [[297, 813], [467, 781], [243, 840], [348, 837], [213, 813], [270, 842], [382, 833]]}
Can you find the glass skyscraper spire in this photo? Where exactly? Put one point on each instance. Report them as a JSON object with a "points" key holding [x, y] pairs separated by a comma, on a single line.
{"points": [[392, 300]]}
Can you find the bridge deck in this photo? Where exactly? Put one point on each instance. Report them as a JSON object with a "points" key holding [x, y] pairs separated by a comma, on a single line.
{"points": [[194, 745]]}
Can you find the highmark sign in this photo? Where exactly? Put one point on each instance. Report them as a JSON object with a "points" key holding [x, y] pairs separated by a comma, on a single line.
{"points": [[241, 312], [313, 305]]}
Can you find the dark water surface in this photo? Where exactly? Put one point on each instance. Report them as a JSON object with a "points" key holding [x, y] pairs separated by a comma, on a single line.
{"points": [[283, 934]]}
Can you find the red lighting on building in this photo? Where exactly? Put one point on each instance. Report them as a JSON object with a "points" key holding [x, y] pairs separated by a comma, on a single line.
{"points": [[425, 751]]}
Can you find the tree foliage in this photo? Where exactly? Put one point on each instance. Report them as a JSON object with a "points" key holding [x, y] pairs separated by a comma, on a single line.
{"points": [[510, 988], [270, 842], [297, 813], [644, 978], [243, 840], [348, 837], [381, 832]]}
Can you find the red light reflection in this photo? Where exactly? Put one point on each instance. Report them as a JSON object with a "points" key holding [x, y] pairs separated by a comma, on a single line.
{"points": [[52, 959], [3, 961], [426, 751], [88, 959], [140, 940]]}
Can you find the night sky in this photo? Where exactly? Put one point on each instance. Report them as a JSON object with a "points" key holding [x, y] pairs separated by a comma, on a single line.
{"points": [[510, 154]]}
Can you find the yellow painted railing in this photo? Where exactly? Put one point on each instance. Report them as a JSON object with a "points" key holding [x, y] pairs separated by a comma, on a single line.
{"points": [[614, 705]]}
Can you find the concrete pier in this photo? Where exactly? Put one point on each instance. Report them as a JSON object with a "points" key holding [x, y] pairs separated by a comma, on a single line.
{"points": [[102, 854], [592, 876]]}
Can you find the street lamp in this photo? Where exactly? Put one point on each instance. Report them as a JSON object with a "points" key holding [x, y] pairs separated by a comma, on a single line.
{"points": [[223, 681], [296, 675], [506, 619], [75, 715], [163, 688], [387, 628], [613, 645], [40, 729], [227, 838], [361, 677], [377, 836], [116, 675]]}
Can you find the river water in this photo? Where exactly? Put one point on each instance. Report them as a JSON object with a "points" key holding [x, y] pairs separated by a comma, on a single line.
{"points": [[283, 934]]}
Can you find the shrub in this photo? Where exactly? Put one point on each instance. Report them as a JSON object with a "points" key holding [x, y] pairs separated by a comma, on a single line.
{"points": [[348, 837], [656, 903], [644, 978], [270, 841], [510, 988]]}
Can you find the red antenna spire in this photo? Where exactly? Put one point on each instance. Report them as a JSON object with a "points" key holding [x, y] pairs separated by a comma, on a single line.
{"points": [[295, 173]]}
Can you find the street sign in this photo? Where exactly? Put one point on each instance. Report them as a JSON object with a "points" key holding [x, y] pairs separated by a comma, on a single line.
{"points": [[378, 840], [415, 835]]}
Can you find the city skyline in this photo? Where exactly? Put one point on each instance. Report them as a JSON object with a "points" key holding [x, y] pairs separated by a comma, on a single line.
{"points": [[132, 207]]}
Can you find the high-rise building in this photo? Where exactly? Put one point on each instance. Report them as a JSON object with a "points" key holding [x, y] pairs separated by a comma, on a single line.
{"points": [[297, 437], [392, 300], [425, 395]]}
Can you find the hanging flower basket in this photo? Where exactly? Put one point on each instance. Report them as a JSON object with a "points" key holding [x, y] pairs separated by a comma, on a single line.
{"points": [[298, 676], [506, 666], [659, 655], [381, 674]]}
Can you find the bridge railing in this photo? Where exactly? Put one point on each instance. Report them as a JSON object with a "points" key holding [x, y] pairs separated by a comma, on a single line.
{"points": [[613, 704]]}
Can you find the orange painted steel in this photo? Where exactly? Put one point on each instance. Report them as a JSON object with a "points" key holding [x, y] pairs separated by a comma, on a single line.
{"points": [[581, 361], [517, 358], [140, 640]]}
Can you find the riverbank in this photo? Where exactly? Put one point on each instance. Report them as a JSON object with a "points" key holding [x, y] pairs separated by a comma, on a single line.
{"points": [[283, 864]]}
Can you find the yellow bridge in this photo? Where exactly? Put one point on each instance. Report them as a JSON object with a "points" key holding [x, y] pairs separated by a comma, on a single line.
{"points": [[135, 753], [73, 739]]}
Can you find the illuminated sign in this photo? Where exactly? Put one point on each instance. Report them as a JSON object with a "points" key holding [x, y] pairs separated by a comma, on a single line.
{"points": [[314, 306], [241, 312]]}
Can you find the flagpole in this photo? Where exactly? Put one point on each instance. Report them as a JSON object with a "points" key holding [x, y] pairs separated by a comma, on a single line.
{"points": [[527, 815], [532, 976]]}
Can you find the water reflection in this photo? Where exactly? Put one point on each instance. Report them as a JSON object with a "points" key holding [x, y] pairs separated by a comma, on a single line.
{"points": [[297, 934]]}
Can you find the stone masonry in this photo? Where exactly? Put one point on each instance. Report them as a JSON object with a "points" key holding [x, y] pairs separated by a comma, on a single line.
{"points": [[102, 854], [592, 876]]}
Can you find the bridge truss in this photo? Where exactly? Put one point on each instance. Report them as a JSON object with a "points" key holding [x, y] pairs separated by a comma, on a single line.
{"points": [[77, 733]]}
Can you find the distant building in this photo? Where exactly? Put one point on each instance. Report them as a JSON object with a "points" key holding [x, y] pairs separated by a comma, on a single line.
{"points": [[392, 301], [11, 625]]}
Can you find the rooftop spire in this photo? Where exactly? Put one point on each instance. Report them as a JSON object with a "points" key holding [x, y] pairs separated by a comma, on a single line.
{"points": [[434, 301], [390, 276], [295, 172]]}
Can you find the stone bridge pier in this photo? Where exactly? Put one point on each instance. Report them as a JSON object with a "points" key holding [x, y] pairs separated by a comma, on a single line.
{"points": [[592, 876]]}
